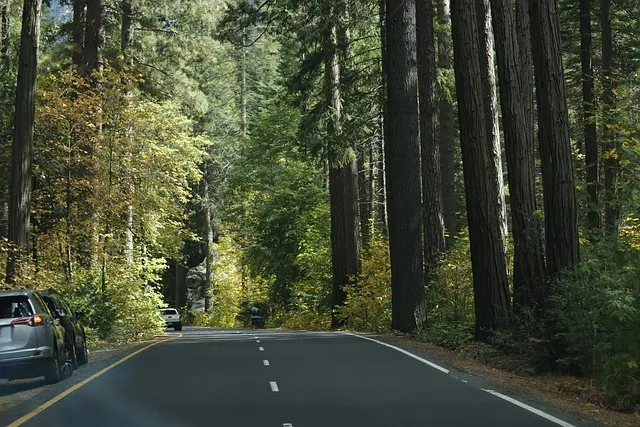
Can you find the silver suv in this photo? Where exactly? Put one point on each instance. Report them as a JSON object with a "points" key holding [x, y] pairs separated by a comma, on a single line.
{"points": [[32, 341]]}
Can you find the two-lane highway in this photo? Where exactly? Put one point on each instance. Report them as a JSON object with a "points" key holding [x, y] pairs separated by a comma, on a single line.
{"points": [[245, 378]]}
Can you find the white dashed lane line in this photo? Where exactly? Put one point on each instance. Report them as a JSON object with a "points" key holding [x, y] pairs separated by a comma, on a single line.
{"points": [[261, 348], [265, 362], [274, 386]]}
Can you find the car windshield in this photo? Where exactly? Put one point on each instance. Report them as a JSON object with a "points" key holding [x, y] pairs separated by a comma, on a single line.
{"points": [[169, 311], [15, 306]]}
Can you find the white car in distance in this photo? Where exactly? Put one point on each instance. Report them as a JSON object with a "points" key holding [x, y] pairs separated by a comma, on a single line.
{"points": [[172, 318]]}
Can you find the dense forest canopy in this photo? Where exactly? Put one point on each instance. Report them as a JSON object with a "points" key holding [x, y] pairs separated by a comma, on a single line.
{"points": [[454, 169]]}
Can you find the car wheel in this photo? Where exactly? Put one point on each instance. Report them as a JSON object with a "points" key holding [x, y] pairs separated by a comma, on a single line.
{"points": [[177, 326], [72, 358], [53, 372], [83, 356]]}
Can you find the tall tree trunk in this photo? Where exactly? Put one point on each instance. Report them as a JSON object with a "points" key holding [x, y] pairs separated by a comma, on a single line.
{"points": [[480, 169], [380, 197], [22, 148], [560, 216], [381, 176], [126, 30], [68, 201], [94, 37], [434, 240], [6, 39], [209, 244], [364, 196], [525, 58], [491, 106], [78, 30], [403, 168], [243, 83], [343, 182], [589, 115], [609, 146], [126, 38], [446, 139], [528, 275]]}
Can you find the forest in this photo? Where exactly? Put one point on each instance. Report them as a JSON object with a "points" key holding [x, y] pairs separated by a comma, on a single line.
{"points": [[455, 170]]}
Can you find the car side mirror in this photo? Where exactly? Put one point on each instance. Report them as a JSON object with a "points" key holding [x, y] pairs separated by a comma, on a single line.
{"points": [[60, 312], [79, 314]]}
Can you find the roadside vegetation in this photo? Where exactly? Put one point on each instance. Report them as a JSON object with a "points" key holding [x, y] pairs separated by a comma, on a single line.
{"points": [[216, 156]]}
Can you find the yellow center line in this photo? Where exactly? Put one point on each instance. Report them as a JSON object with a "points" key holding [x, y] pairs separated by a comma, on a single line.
{"points": [[70, 390]]}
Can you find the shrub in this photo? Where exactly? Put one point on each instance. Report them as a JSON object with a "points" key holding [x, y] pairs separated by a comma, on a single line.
{"points": [[127, 310], [368, 304], [595, 321], [451, 313]]}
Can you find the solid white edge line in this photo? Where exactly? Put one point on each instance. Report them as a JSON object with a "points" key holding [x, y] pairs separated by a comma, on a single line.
{"points": [[529, 408], [274, 386], [495, 393], [405, 352], [261, 348], [265, 362]]}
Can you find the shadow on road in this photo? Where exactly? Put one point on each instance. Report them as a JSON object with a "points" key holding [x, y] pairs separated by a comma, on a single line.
{"points": [[10, 387]]}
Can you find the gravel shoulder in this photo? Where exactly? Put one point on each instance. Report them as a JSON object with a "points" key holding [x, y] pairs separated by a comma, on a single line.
{"points": [[566, 394]]}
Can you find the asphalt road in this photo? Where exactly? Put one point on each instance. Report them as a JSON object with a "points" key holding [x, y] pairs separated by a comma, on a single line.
{"points": [[210, 377]]}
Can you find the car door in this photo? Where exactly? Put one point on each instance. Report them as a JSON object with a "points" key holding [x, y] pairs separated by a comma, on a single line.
{"points": [[54, 332], [75, 322]]}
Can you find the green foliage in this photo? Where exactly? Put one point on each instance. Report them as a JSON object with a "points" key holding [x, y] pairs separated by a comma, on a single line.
{"points": [[451, 312], [313, 289], [227, 284], [274, 193], [368, 304], [595, 316], [127, 309]]}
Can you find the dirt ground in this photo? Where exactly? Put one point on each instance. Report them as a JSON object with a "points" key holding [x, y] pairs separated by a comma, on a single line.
{"points": [[575, 395]]}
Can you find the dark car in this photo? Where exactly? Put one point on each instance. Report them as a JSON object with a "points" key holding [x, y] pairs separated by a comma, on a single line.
{"points": [[74, 329], [32, 340]]}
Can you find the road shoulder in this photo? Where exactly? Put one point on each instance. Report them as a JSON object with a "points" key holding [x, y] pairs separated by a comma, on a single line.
{"points": [[545, 389], [21, 397]]}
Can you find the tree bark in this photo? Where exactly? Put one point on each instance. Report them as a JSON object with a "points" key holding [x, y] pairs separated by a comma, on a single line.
{"points": [[446, 139], [433, 235], [94, 37], [561, 224], [343, 182], [525, 57], [126, 38], [364, 196], [209, 244], [6, 39], [528, 274], [589, 116], [78, 30], [381, 180], [609, 146], [403, 168], [243, 84], [480, 169], [22, 148], [491, 106]]}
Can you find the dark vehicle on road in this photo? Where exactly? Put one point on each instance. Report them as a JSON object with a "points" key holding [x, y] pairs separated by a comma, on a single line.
{"points": [[32, 341], [74, 329]]}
